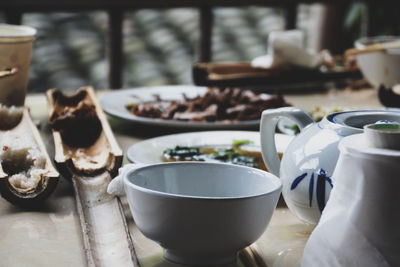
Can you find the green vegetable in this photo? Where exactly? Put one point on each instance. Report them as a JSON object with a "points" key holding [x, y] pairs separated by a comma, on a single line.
{"points": [[232, 155], [237, 143], [294, 128], [182, 152]]}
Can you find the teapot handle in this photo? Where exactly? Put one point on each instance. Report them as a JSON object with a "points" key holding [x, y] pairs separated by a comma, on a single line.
{"points": [[269, 119]]}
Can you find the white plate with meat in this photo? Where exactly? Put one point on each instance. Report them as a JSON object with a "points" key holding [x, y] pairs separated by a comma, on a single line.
{"points": [[189, 106]]}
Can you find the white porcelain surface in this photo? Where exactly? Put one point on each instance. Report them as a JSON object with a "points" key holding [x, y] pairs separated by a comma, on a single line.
{"points": [[359, 226], [282, 244], [379, 67], [114, 104], [310, 159], [200, 213], [151, 150], [286, 48], [383, 135]]}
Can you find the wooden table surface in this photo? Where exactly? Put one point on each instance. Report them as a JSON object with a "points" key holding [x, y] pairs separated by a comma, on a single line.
{"points": [[50, 235]]}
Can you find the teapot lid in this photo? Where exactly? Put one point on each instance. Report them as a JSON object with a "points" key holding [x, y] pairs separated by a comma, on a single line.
{"points": [[359, 118]]}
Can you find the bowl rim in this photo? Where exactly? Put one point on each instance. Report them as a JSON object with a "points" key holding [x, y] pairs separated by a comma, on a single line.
{"points": [[20, 30], [277, 183], [360, 43]]}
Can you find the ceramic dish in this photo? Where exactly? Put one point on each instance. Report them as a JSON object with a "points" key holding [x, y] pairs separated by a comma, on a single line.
{"points": [[151, 150], [114, 104], [379, 67], [309, 161]]}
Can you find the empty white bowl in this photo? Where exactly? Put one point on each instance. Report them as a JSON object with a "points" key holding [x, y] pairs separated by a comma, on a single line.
{"points": [[200, 213], [380, 67]]}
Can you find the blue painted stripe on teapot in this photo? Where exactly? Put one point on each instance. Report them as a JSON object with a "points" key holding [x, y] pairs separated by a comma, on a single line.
{"points": [[311, 189], [322, 179]]}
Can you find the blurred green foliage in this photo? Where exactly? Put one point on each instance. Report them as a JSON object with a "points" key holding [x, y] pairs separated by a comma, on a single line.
{"points": [[160, 46], [376, 18]]}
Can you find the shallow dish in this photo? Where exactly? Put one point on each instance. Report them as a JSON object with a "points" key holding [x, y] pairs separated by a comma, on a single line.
{"points": [[114, 104], [151, 150], [200, 213]]}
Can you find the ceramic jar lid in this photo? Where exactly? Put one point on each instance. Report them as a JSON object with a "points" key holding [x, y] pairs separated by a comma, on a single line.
{"points": [[383, 135], [378, 139]]}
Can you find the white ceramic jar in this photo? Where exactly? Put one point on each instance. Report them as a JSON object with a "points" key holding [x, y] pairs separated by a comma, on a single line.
{"points": [[360, 224], [309, 161]]}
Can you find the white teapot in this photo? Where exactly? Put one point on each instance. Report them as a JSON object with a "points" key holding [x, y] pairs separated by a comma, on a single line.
{"points": [[309, 161]]}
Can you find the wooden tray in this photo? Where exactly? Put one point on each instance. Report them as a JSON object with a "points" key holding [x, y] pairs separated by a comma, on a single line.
{"points": [[23, 126], [87, 152], [242, 74], [100, 154]]}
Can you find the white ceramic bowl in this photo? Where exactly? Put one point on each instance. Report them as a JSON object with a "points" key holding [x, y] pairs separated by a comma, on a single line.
{"points": [[379, 67], [201, 213]]}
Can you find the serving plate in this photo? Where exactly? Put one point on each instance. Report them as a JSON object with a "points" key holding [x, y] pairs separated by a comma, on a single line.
{"points": [[151, 150], [114, 104]]}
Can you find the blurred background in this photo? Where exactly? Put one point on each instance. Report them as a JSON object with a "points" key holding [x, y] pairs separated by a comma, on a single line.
{"points": [[161, 45]]}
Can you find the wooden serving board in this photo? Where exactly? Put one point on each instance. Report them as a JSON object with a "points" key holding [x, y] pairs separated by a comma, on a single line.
{"points": [[242, 74]]}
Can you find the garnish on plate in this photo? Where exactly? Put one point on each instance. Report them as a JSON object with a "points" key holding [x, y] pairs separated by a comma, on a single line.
{"points": [[240, 152]]}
